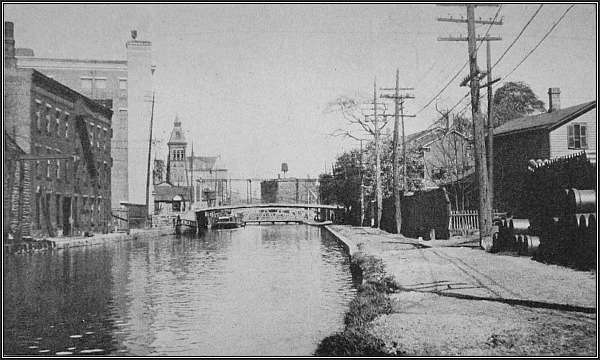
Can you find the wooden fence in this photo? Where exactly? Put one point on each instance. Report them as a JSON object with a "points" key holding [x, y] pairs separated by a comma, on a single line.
{"points": [[465, 220]]}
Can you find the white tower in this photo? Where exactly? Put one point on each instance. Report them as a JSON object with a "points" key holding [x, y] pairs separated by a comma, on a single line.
{"points": [[139, 103]]}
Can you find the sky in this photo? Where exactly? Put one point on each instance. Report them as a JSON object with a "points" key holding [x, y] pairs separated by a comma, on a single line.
{"points": [[252, 82]]}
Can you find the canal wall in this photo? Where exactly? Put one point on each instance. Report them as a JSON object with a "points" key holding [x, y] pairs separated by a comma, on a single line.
{"points": [[371, 301], [349, 245], [97, 239]]}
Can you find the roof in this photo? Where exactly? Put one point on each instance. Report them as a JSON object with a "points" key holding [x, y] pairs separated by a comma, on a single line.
{"points": [[11, 145], [427, 136], [177, 136], [203, 162], [62, 90], [544, 121], [166, 192]]}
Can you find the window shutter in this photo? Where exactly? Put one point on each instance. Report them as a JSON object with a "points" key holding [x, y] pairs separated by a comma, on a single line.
{"points": [[582, 134], [570, 137]]}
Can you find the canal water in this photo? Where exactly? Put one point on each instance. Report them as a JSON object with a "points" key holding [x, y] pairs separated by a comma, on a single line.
{"points": [[258, 290]]}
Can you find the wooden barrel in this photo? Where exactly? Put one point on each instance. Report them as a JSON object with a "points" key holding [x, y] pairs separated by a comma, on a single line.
{"points": [[581, 201], [519, 226]]}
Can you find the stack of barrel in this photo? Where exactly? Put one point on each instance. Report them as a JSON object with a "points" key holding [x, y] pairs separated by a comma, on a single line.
{"points": [[568, 228], [515, 235]]}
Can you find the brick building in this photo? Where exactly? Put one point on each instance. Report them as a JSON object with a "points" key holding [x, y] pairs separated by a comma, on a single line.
{"points": [[289, 191], [17, 178], [65, 138], [127, 86]]}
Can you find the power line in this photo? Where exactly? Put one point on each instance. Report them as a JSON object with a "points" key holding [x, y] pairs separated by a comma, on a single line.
{"points": [[463, 67], [501, 57], [531, 51], [540, 42], [519, 35]]}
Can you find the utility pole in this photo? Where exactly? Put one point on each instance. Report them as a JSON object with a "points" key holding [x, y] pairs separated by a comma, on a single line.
{"points": [[490, 124], [485, 206], [377, 158], [398, 113], [192, 176], [362, 187], [148, 167]]}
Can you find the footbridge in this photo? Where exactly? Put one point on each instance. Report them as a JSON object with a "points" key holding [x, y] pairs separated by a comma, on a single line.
{"points": [[271, 213]]}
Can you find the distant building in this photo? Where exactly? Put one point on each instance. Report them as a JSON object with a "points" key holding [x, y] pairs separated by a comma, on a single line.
{"points": [[198, 180], [209, 180], [65, 138], [128, 85], [550, 135], [158, 171], [289, 191]]}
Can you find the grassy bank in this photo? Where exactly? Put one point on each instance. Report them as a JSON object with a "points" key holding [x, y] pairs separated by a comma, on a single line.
{"points": [[371, 301]]}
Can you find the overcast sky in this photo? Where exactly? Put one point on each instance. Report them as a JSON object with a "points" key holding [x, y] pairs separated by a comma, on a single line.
{"points": [[251, 82]]}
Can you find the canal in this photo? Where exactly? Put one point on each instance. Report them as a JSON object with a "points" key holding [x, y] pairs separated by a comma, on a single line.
{"points": [[258, 290]]}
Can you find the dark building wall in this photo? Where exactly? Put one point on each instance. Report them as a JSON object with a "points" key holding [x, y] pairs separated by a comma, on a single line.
{"points": [[113, 76], [511, 156], [16, 195], [288, 191], [64, 194], [268, 191]]}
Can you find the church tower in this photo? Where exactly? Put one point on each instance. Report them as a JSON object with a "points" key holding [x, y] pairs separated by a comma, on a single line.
{"points": [[176, 166]]}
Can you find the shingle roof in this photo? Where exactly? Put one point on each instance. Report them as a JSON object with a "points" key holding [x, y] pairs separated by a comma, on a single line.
{"points": [[203, 162], [177, 136], [166, 192], [547, 121]]}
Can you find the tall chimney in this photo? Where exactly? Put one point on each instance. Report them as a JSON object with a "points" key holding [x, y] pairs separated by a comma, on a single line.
{"points": [[10, 61], [553, 99]]}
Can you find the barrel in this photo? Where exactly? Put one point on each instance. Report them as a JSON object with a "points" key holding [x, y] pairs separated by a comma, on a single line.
{"points": [[519, 226], [581, 201], [533, 243]]}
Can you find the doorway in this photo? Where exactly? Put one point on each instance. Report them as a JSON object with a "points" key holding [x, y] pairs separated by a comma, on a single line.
{"points": [[66, 215]]}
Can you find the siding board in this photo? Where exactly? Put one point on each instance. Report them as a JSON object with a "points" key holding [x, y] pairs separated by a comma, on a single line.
{"points": [[558, 137]]}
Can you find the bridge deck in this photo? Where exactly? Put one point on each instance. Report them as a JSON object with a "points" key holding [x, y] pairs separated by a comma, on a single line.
{"points": [[272, 205]]}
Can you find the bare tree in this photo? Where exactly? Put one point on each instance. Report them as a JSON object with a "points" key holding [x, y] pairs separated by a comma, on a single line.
{"points": [[363, 118]]}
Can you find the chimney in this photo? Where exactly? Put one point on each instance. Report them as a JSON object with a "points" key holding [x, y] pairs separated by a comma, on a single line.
{"points": [[9, 45], [553, 99]]}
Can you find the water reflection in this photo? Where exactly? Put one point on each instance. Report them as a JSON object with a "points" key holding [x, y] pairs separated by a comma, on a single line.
{"points": [[259, 290]]}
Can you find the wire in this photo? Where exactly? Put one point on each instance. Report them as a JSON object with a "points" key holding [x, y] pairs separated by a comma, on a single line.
{"points": [[463, 67], [510, 46], [540, 42], [519, 35]]}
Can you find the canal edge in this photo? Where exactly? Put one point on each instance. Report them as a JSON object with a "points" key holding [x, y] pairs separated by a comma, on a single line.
{"points": [[45, 244], [348, 245], [371, 301]]}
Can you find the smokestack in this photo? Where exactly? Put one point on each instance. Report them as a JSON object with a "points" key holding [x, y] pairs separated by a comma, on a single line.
{"points": [[9, 45], [553, 99]]}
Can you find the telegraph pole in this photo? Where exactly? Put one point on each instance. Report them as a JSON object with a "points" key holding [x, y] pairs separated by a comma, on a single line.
{"points": [[377, 158], [399, 113], [481, 170], [362, 187], [148, 167], [490, 124]]}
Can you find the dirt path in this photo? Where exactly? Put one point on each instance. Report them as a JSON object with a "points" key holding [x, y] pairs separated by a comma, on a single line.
{"points": [[464, 301]]}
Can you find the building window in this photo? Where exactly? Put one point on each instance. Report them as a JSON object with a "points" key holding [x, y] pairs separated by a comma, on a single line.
{"points": [[58, 169], [86, 84], [38, 115], [577, 136], [100, 83], [123, 84], [66, 126], [48, 168], [48, 118], [58, 115], [66, 171]]}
